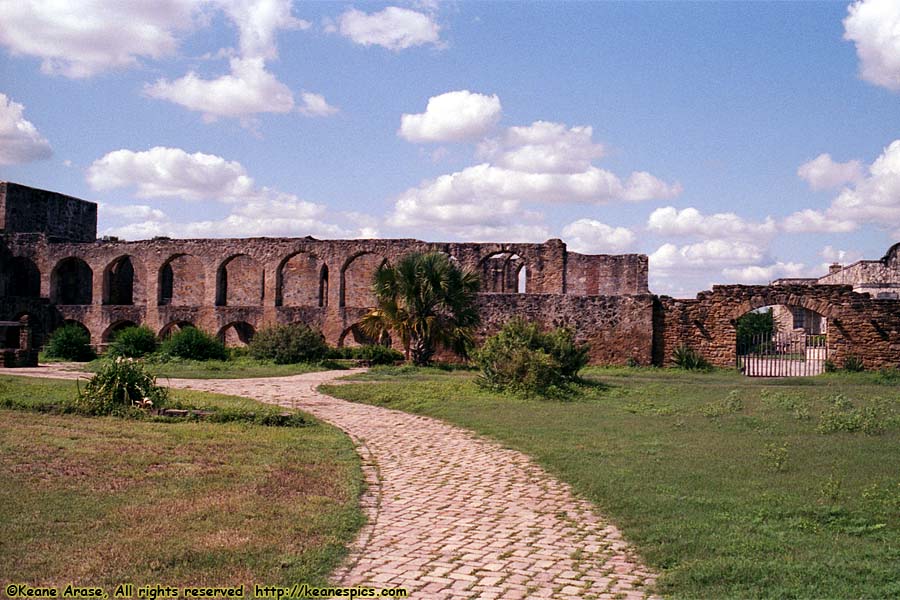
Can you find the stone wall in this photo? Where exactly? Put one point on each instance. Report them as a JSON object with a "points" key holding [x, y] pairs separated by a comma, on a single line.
{"points": [[28, 210], [857, 324], [618, 329], [606, 275]]}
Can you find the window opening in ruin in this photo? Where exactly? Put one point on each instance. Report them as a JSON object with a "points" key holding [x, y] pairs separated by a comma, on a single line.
{"points": [[323, 286], [237, 334], [522, 279], [503, 273], [24, 278], [72, 282], [166, 284], [111, 331], [119, 282]]}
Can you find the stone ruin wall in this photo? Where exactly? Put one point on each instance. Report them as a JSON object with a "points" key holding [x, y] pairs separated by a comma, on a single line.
{"points": [[857, 324], [233, 287]]}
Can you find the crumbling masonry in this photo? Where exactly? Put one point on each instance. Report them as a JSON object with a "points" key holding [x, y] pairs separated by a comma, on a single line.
{"points": [[53, 270]]}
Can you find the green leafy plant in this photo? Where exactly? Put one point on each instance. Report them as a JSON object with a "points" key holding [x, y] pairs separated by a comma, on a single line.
{"points": [[195, 344], [522, 358], [120, 386], [133, 342], [732, 403], [829, 367], [70, 342], [854, 364], [754, 326], [427, 301], [776, 457], [288, 344], [689, 359]]}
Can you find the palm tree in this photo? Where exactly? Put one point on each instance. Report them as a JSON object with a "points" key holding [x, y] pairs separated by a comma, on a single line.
{"points": [[427, 301]]}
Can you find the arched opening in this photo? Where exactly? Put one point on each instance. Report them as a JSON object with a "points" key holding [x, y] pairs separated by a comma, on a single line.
{"points": [[240, 282], [110, 333], [71, 282], [173, 327], [781, 341], [354, 336], [522, 279], [296, 281], [118, 282], [503, 273], [237, 334], [182, 281], [356, 280], [323, 286], [24, 278], [76, 323]]}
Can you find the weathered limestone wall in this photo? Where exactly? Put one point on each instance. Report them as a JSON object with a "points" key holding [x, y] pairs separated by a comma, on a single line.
{"points": [[603, 275], [857, 324], [28, 210], [618, 328]]}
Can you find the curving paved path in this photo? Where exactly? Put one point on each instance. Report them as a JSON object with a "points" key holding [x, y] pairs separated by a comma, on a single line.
{"points": [[452, 515]]}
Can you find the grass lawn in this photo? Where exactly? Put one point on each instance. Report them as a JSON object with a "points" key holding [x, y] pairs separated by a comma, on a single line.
{"points": [[102, 500], [236, 368], [731, 487]]}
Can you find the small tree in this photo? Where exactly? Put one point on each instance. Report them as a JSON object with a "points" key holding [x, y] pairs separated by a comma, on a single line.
{"points": [[426, 301], [753, 326], [192, 343]]}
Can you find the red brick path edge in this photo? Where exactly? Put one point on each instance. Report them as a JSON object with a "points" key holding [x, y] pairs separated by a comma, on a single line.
{"points": [[453, 515]]}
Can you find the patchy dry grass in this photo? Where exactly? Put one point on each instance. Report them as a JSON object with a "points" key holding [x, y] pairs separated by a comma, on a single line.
{"points": [[100, 501]]}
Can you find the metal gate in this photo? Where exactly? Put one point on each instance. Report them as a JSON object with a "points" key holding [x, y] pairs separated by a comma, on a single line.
{"points": [[788, 354]]}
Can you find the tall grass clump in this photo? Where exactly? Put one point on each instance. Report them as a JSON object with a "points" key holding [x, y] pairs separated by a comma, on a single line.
{"points": [[133, 342], [289, 344], [521, 358], [119, 387], [193, 343], [70, 342], [690, 359]]}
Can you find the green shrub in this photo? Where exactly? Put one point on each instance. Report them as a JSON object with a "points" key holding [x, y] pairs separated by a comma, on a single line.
{"points": [[70, 342], [288, 344], [521, 358], [133, 342], [690, 359], [120, 386], [195, 344], [375, 354], [853, 364]]}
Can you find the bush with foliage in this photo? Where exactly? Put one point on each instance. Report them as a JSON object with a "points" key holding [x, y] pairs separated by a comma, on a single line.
{"points": [[522, 358], [289, 344], [70, 342], [120, 386], [374, 354], [133, 342], [690, 359], [195, 344]]}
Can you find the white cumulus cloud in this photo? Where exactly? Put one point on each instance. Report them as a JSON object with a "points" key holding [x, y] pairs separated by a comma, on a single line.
{"points": [[763, 274], [393, 28], [315, 105], [172, 173], [816, 221], [589, 236], [691, 222], [543, 147], [20, 141], [822, 173], [874, 26], [82, 39], [452, 117], [706, 255], [249, 89]]}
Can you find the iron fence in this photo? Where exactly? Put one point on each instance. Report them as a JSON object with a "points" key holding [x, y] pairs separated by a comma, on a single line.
{"points": [[785, 354]]}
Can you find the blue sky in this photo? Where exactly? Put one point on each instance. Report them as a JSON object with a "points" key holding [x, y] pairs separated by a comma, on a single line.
{"points": [[731, 142]]}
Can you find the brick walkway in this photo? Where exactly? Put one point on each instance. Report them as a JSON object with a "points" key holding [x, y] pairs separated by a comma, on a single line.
{"points": [[452, 515]]}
